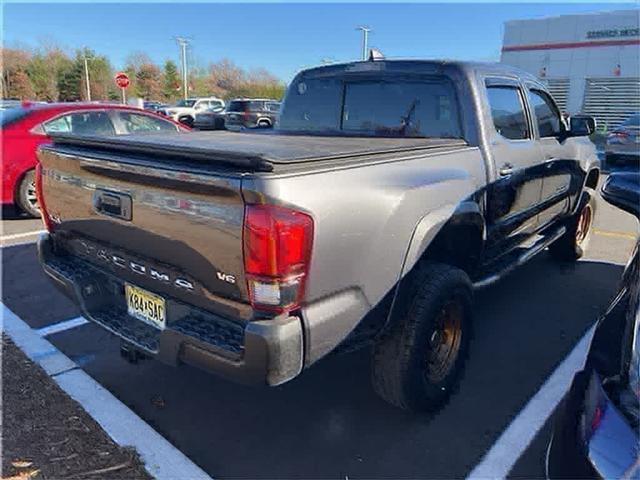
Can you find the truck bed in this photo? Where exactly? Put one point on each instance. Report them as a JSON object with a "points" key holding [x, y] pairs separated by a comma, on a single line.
{"points": [[252, 151]]}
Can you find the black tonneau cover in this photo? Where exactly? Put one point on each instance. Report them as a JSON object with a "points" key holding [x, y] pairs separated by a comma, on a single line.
{"points": [[257, 151]]}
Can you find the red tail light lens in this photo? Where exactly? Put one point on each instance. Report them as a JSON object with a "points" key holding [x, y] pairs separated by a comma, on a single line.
{"points": [[277, 251], [43, 208]]}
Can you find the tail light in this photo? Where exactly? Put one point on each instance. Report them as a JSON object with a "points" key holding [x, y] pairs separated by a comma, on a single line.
{"points": [[618, 135], [277, 252], [245, 113], [41, 204]]}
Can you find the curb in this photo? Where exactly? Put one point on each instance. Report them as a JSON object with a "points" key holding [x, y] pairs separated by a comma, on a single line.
{"points": [[161, 459]]}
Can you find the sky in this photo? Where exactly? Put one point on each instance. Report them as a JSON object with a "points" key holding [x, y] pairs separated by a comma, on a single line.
{"points": [[281, 37]]}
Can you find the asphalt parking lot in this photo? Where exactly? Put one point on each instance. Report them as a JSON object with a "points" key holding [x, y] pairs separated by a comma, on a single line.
{"points": [[328, 423]]}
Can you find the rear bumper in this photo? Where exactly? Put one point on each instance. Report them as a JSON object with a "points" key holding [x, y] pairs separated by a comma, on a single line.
{"points": [[260, 352]]}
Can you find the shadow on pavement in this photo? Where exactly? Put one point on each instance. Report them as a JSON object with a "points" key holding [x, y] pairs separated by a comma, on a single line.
{"points": [[329, 423]]}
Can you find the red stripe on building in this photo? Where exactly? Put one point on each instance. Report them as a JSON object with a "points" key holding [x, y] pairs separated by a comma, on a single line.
{"points": [[554, 46]]}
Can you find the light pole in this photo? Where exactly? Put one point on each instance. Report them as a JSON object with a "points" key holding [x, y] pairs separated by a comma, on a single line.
{"points": [[365, 40], [86, 76], [183, 43]]}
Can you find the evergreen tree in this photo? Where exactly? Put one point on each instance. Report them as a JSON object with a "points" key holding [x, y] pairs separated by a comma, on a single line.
{"points": [[171, 81]]}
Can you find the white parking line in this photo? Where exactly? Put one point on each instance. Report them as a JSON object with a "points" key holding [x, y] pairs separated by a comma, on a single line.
{"points": [[16, 236], [62, 326], [162, 460], [498, 462]]}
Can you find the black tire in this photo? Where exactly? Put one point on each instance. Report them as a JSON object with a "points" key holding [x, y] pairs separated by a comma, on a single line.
{"points": [[573, 244], [26, 195], [405, 369]]}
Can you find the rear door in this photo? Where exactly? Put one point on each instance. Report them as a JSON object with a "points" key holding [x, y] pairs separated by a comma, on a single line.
{"points": [[558, 156], [514, 198]]}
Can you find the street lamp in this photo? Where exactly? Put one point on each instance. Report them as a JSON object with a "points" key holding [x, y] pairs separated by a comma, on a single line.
{"points": [[365, 40], [183, 43], [86, 75]]}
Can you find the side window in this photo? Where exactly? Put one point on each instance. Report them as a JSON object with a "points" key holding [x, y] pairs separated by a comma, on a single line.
{"points": [[135, 123], [82, 123], [546, 113], [507, 111], [273, 107], [59, 125]]}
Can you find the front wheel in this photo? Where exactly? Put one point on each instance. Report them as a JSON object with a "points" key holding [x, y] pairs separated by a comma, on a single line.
{"points": [[186, 120], [419, 363], [573, 244], [27, 199]]}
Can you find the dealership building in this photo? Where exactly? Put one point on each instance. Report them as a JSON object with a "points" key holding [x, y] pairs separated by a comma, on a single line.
{"points": [[591, 62]]}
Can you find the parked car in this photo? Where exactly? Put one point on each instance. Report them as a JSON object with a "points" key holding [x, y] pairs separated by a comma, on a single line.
{"points": [[154, 106], [212, 119], [595, 432], [387, 192], [251, 113], [9, 103], [185, 110], [623, 144], [27, 127]]}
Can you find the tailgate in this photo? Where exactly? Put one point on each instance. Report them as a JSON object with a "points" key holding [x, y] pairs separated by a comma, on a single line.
{"points": [[174, 232]]}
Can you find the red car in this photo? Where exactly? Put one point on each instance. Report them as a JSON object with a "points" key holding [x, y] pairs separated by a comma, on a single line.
{"points": [[25, 128]]}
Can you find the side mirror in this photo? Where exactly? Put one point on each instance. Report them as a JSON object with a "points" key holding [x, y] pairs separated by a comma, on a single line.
{"points": [[582, 125], [622, 189]]}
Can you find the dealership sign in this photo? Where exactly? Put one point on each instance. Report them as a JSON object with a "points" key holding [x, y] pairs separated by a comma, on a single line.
{"points": [[614, 33]]}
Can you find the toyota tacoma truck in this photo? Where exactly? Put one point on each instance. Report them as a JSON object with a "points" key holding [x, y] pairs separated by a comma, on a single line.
{"points": [[387, 193]]}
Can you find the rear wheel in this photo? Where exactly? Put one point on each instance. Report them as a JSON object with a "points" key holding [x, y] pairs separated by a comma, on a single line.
{"points": [[27, 200], [575, 241], [264, 124], [418, 364]]}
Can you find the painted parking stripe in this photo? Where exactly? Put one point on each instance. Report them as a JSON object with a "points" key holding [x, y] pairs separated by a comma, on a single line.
{"points": [[62, 326], [161, 459], [606, 233], [502, 456], [16, 236]]}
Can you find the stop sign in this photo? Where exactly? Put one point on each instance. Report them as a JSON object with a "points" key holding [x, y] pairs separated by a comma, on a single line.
{"points": [[122, 80]]}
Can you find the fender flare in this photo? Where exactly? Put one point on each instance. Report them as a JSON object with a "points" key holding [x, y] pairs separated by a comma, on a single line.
{"points": [[466, 213]]}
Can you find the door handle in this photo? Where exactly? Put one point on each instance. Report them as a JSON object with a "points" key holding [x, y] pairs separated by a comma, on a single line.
{"points": [[505, 170]]}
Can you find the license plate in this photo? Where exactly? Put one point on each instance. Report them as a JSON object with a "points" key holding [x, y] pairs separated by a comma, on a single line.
{"points": [[145, 306]]}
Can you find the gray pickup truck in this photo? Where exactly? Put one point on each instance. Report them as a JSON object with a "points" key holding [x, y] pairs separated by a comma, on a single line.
{"points": [[387, 193]]}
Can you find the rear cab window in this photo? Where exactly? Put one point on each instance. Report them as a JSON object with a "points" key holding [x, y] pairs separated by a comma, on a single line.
{"points": [[388, 106], [507, 112]]}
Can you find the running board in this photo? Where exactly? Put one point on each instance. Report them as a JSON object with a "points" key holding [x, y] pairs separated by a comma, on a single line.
{"points": [[522, 259]]}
